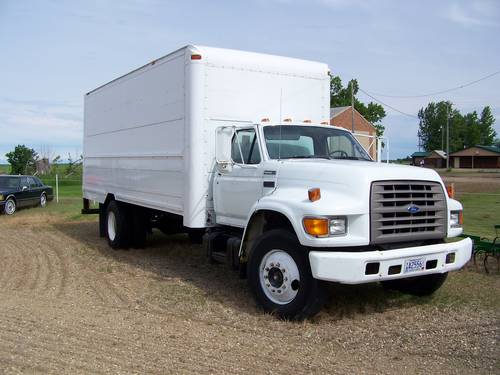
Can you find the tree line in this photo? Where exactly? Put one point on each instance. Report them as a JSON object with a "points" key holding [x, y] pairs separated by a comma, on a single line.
{"points": [[465, 130]]}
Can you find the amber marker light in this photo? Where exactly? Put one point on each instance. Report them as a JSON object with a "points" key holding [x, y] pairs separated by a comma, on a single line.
{"points": [[450, 189], [287, 120], [264, 120], [196, 57], [314, 194], [317, 227], [461, 217], [307, 121], [324, 122]]}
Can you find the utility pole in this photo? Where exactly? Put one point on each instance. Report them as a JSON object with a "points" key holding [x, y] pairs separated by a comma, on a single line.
{"points": [[447, 137], [352, 106]]}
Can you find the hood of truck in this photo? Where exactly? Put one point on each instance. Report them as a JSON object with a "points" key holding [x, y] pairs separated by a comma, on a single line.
{"points": [[351, 171], [345, 184]]}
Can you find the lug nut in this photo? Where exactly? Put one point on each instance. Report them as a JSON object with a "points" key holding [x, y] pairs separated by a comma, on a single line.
{"points": [[265, 276], [272, 264], [279, 291], [286, 278], [277, 265], [267, 269], [268, 285], [283, 270], [274, 291]]}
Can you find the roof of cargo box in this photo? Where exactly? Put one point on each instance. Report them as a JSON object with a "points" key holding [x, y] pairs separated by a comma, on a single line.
{"points": [[236, 59]]}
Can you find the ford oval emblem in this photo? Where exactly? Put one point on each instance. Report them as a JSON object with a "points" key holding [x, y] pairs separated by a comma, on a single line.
{"points": [[413, 209]]}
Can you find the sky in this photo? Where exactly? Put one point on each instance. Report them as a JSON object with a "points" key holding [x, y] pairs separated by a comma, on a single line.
{"points": [[52, 52]]}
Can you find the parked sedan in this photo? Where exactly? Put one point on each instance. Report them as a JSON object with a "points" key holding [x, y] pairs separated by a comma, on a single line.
{"points": [[23, 191]]}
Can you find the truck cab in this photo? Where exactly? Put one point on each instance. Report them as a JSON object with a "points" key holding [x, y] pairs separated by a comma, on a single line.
{"points": [[315, 207]]}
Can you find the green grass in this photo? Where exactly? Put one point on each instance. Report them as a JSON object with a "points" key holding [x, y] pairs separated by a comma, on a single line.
{"points": [[4, 168], [481, 213]]}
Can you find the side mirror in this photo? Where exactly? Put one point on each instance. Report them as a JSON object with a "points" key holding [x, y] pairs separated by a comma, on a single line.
{"points": [[24, 188], [223, 138]]}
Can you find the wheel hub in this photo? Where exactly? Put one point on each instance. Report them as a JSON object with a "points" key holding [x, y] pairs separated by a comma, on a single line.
{"points": [[275, 277]]}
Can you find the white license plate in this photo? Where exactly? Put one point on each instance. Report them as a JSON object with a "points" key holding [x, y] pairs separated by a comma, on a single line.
{"points": [[415, 264]]}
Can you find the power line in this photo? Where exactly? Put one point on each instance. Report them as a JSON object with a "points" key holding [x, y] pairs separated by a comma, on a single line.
{"points": [[387, 105], [438, 92]]}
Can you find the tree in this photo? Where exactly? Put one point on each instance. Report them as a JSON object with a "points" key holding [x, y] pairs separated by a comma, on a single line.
{"points": [[487, 132], [341, 96], [22, 160]]}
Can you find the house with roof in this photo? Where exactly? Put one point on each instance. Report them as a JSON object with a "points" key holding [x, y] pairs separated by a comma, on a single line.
{"points": [[364, 129], [481, 157], [432, 159]]}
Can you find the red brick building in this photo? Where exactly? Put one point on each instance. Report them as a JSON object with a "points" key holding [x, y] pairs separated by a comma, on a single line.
{"points": [[342, 117]]}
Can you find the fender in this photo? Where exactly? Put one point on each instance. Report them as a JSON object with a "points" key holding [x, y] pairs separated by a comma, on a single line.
{"points": [[258, 218]]}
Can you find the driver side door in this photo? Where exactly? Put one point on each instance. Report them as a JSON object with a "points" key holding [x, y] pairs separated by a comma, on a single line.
{"points": [[236, 190]]}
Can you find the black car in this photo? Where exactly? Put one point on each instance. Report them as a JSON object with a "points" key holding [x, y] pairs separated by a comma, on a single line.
{"points": [[22, 191]]}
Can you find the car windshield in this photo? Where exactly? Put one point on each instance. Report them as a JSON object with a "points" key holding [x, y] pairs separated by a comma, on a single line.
{"points": [[9, 182], [306, 142]]}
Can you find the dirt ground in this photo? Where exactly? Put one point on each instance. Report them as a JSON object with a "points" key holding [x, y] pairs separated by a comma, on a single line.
{"points": [[473, 182], [69, 304]]}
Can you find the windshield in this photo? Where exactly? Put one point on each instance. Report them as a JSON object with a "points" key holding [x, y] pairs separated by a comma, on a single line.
{"points": [[9, 182], [301, 142]]}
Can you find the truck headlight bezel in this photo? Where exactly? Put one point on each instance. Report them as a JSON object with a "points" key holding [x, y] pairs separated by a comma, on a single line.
{"points": [[456, 219], [325, 226]]}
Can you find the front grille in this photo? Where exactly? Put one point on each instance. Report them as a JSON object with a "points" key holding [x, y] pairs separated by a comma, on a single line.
{"points": [[407, 211]]}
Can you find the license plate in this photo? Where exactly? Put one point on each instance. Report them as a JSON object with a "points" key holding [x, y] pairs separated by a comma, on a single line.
{"points": [[415, 264]]}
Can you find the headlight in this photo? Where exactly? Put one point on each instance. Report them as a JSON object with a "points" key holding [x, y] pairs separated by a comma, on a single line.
{"points": [[456, 219], [1, 197], [324, 227], [338, 226]]}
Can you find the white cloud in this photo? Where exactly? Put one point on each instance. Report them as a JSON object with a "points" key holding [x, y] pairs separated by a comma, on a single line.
{"points": [[34, 123], [473, 14]]}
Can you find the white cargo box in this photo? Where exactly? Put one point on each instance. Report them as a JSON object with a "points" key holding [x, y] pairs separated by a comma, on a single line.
{"points": [[149, 136]]}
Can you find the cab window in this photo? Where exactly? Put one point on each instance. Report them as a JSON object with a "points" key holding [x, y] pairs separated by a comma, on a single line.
{"points": [[245, 147]]}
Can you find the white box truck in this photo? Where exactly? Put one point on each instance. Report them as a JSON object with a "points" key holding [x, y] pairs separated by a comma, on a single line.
{"points": [[236, 147]]}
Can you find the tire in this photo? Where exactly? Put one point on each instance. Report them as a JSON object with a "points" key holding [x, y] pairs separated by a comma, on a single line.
{"points": [[196, 236], [43, 200], [139, 224], [301, 295], [10, 206], [417, 286], [118, 225]]}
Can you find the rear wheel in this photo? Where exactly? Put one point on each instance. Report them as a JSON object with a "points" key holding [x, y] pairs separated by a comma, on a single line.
{"points": [[279, 275], [10, 206], [417, 286], [118, 225], [43, 200]]}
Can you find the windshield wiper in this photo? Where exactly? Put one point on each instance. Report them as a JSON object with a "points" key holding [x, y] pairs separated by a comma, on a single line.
{"points": [[307, 157], [350, 158]]}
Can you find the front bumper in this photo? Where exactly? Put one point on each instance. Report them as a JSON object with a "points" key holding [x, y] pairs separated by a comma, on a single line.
{"points": [[350, 267]]}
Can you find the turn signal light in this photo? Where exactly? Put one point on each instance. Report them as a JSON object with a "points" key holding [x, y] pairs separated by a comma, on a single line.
{"points": [[196, 57], [316, 227], [450, 189], [314, 194]]}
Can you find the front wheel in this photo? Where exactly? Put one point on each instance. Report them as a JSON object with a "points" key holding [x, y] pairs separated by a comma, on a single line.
{"points": [[279, 275], [10, 206], [417, 286]]}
